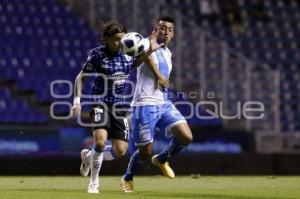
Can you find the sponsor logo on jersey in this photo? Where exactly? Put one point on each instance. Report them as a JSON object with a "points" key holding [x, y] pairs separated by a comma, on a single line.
{"points": [[119, 78]]}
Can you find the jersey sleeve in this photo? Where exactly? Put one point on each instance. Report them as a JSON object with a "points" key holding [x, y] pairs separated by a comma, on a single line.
{"points": [[91, 62]]}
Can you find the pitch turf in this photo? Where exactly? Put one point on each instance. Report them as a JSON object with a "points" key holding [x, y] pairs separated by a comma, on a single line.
{"points": [[206, 187]]}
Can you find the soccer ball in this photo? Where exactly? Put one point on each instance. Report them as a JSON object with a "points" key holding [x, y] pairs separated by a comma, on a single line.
{"points": [[133, 44]]}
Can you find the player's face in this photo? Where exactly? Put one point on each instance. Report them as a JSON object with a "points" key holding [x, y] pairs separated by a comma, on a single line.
{"points": [[165, 31], [114, 42]]}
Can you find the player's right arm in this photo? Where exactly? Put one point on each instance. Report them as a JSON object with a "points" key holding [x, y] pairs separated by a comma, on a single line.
{"points": [[87, 68], [76, 109]]}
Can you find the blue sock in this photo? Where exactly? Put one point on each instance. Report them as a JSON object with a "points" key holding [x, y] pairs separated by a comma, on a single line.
{"points": [[133, 166], [174, 148]]}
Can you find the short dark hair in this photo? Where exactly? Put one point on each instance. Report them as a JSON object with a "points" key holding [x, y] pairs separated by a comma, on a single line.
{"points": [[167, 19], [112, 27]]}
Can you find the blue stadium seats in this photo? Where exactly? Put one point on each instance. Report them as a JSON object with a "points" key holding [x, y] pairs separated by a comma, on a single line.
{"points": [[44, 42], [275, 43], [18, 111]]}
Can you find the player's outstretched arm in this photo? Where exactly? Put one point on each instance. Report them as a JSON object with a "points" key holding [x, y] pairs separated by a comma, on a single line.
{"points": [[76, 109], [145, 57], [153, 47]]}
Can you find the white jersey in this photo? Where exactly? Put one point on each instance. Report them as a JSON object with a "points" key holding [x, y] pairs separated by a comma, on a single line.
{"points": [[146, 91]]}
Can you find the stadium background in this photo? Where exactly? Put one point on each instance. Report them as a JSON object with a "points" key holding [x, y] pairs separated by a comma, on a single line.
{"points": [[236, 49]]}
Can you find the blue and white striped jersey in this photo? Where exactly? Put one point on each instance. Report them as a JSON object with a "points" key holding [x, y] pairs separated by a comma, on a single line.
{"points": [[111, 72], [146, 92]]}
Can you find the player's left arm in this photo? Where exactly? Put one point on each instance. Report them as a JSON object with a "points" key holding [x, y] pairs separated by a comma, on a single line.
{"points": [[145, 57], [141, 59], [153, 47]]}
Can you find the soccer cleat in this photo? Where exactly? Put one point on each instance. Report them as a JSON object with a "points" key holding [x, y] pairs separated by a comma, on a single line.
{"points": [[126, 186], [165, 167], [93, 188], [85, 163]]}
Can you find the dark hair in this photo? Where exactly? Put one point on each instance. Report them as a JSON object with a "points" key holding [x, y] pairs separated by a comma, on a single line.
{"points": [[167, 19], [112, 27]]}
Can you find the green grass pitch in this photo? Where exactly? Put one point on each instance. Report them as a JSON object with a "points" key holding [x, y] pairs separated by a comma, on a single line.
{"points": [[207, 187]]}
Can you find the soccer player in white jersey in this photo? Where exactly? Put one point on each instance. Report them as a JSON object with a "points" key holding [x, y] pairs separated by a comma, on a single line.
{"points": [[152, 109], [108, 114]]}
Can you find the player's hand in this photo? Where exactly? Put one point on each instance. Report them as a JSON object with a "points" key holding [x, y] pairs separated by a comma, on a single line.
{"points": [[75, 111], [153, 42], [162, 82]]}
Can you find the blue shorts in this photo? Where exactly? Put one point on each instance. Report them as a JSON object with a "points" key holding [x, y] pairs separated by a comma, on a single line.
{"points": [[146, 118]]}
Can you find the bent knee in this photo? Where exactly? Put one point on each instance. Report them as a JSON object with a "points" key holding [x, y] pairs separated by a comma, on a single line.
{"points": [[120, 151], [187, 139]]}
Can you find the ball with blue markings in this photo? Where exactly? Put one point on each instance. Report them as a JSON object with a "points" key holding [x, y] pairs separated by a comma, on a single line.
{"points": [[133, 44]]}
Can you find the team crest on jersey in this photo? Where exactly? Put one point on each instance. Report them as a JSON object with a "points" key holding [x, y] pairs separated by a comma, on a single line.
{"points": [[89, 66]]}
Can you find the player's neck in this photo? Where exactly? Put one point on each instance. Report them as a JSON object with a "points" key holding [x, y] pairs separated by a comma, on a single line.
{"points": [[110, 51], [165, 46]]}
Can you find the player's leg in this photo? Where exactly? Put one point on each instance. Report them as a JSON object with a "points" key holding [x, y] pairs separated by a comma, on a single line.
{"points": [[100, 117], [94, 158], [112, 151], [173, 123], [119, 132], [143, 154], [182, 137], [119, 135], [86, 156], [138, 158], [144, 119], [117, 149], [100, 137]]}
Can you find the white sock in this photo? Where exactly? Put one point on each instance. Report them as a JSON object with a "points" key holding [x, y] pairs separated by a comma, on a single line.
{"points": [[108, 153], [96, 160]]}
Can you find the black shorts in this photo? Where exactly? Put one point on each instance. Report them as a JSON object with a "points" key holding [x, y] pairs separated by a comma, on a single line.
{"points": [[113, 119]]}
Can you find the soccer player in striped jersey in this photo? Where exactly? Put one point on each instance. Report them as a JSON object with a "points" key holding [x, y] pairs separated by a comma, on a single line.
{"points": [[111, 68], [152, 109]]}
